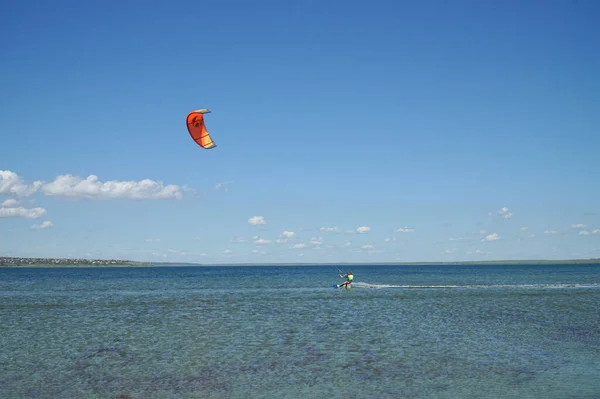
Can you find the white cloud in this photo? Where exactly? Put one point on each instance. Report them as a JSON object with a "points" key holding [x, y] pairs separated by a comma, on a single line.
{"points": [[300, 245], [237, 240], [20, 212], [363, 229], [577, 226], [9, 203], [367, 246], [450, 251], [584, 233], [177, 251], [256, 220], [288, 234], [389, 239], [223, 185], [459, 239], [550, 232], [44, 225], [227, 252], [330, 229], [11, 183], [285, 237], [478, 252], [595, 231], [92, 188], [505, 213], [524, 228], [316, 240], [261, 241], [491, 237], [405, 230]]}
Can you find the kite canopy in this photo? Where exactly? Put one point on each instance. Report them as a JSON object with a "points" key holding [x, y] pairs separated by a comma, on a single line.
{"points": [[197, 128]]}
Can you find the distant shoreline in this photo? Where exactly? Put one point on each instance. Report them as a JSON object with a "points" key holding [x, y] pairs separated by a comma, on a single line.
{"points": [[22, 262], [8, 261]]}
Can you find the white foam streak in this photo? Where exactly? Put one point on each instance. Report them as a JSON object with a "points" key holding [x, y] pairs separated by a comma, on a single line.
{"points": [[480, 286]]}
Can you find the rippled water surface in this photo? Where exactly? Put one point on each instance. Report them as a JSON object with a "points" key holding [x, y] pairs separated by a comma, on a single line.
{"points": [[285, 332]]}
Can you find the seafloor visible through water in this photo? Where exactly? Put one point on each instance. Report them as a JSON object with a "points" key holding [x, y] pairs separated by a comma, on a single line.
{"points": [[285, 332]]}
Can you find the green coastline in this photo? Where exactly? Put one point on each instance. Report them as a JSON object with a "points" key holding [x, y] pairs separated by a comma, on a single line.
{"points": [[23, 262]]}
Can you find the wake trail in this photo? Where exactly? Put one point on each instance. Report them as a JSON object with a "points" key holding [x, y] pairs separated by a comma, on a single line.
{"points": [[477, 286]]}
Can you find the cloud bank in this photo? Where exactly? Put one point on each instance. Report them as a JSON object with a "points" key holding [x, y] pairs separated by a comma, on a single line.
{"points": [[89, 188], [20, 212]]}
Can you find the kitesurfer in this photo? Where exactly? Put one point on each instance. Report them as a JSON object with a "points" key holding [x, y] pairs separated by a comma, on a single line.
{"points": [[349, 277]]}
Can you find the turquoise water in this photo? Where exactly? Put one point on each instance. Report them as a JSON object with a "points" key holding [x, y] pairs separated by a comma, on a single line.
{"points": [[285, 332]]}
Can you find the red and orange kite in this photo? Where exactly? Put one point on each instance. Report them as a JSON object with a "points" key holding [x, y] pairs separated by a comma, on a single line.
{"points": [[197, 129]]}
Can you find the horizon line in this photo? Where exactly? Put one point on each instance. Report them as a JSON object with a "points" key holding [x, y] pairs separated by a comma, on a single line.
{"points": [[158, 263]]}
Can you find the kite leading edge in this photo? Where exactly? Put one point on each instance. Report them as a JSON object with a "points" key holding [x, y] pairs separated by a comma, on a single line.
{"points": [[197, 128]]}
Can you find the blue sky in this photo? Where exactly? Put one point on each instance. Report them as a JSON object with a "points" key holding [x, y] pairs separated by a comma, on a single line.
{"points": [[373, 131]]}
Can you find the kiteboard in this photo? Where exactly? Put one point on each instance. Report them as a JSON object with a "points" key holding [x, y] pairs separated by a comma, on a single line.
{"points": [[349, 286]]}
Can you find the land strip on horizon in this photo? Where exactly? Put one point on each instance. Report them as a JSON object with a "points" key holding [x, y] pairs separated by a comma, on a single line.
{"points": [[85, 262]]}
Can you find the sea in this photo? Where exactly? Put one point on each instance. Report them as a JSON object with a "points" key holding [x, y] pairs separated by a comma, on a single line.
{"points": [[433, 331]]}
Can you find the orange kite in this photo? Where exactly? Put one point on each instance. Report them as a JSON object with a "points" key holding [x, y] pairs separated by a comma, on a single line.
{"points": [[197, 128]]}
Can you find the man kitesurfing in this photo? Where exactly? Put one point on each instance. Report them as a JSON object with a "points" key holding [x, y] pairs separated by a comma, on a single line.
{"points": [[349, 277]]}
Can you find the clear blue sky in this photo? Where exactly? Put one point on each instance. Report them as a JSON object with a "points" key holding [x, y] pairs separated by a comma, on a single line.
{"points": [[431, 116]]}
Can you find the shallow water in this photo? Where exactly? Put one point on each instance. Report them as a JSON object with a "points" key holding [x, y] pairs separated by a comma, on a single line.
{"points": [[284, 332]]}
